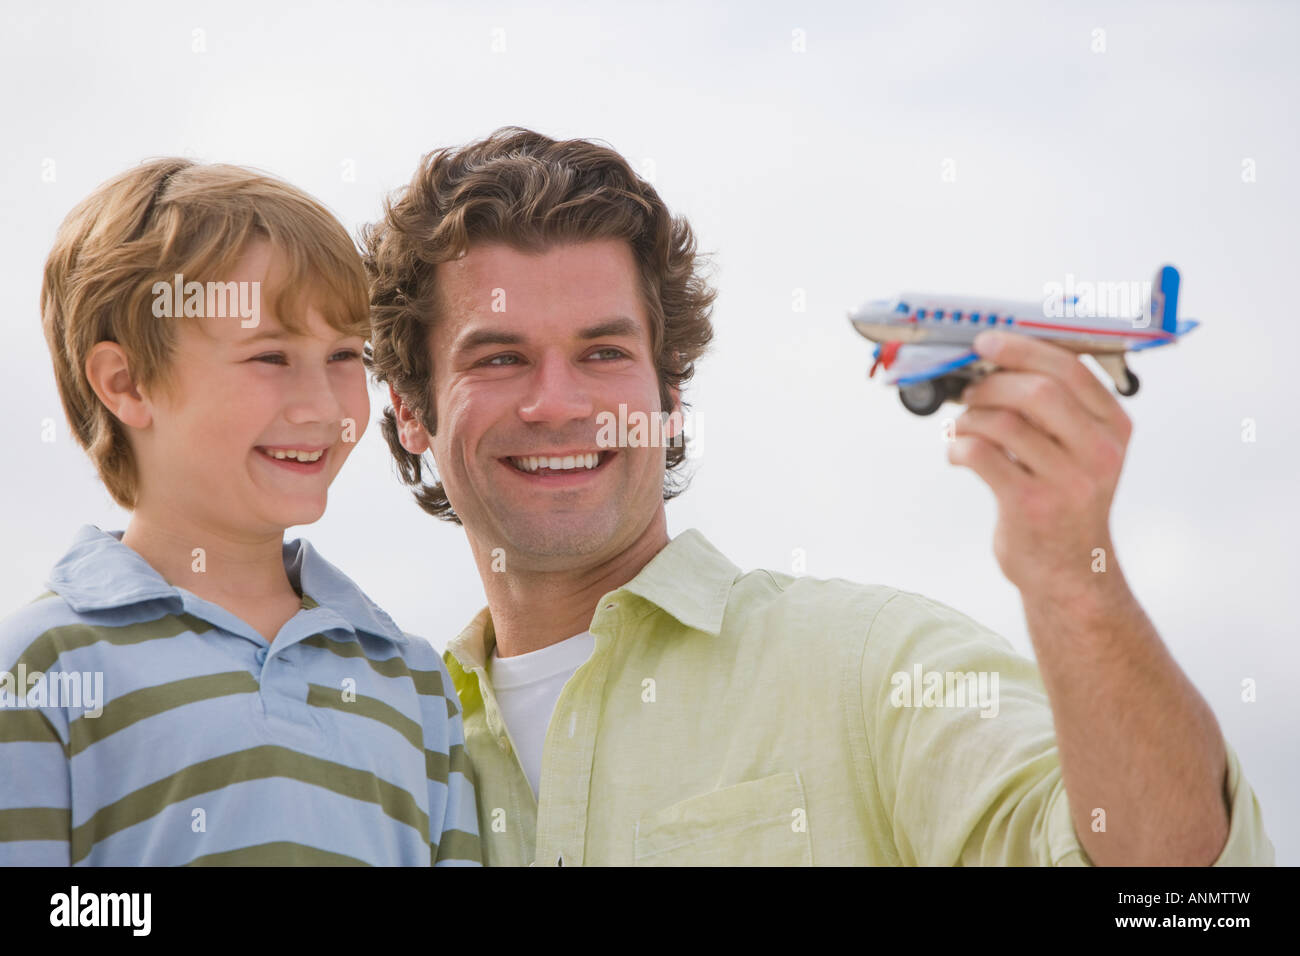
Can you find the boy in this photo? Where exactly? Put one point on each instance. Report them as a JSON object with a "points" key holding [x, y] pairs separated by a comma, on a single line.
{"points": [[194, 690]]}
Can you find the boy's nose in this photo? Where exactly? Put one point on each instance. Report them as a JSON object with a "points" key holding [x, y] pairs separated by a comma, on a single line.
{"points": [[313, 398]]}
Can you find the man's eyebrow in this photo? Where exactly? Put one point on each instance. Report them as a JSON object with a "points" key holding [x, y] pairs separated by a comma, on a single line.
{"points": [[609, 328], [612, 328], [481, 337]]}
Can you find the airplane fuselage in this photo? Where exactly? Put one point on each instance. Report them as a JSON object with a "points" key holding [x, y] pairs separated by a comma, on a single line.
{"points": [[956, 320]]}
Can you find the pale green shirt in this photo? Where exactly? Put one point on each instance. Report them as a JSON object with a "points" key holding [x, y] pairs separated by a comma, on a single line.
{"points": [[758, 718]]}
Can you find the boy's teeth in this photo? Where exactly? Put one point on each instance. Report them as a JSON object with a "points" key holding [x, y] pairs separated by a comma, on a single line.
{"points": [[553, 463], [295, 454]]}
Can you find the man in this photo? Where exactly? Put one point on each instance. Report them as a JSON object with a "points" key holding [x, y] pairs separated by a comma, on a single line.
{"points": [[634, 699]]}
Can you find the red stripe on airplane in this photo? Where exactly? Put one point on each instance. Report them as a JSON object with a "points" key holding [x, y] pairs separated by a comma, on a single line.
{"points": [[1130, 333]]}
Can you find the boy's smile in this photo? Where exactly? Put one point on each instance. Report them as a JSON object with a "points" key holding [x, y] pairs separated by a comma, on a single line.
{"points": [[305, 461]]}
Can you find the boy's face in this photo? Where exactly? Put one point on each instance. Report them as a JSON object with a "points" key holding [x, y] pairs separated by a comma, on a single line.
{"points": [[237, 397], [528, 350]]}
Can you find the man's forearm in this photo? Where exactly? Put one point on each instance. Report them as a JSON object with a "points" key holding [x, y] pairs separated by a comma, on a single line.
{"points": [[1136, 739]]}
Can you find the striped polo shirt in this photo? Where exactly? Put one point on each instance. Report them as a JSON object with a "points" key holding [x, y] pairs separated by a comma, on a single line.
{"points": [[143, 725]]}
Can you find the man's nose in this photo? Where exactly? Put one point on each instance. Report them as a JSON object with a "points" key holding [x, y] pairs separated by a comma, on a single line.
{"points": [[556, 392]]}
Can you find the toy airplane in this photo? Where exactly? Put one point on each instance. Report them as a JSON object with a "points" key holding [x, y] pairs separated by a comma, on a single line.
{"points": [[925, 341]]}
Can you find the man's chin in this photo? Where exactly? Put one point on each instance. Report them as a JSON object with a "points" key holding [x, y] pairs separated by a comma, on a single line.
{"points": [[554, 537]]}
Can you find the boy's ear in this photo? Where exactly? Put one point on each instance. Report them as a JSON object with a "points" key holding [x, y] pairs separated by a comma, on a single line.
{"points": [[409, 430], [109, 374]]}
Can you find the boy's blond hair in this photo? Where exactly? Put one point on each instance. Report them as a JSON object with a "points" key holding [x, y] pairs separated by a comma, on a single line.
{"points": [[167, 217]]}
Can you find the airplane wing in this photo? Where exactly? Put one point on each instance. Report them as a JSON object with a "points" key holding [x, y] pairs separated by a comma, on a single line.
{"points": [[909, 364]]}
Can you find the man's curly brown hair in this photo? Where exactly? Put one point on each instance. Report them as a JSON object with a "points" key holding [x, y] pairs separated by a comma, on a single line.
{"points": [[529, 191]]}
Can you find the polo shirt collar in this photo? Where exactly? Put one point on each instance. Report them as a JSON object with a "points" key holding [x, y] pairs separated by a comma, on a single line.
{"points": [[100, 573], [329, 586]]}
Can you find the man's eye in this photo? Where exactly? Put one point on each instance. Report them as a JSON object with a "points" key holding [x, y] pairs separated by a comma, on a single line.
{"points": [[611, 352], [500, 360]]}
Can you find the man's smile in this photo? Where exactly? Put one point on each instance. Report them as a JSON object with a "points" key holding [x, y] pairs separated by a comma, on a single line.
{"points": [[549, 466]]}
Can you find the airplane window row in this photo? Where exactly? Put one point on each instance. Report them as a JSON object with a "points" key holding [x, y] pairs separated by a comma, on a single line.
{"points": [[956, 316]]}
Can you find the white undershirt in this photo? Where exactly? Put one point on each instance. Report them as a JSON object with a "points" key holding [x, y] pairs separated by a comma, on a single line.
{"points": [[527, 687]]}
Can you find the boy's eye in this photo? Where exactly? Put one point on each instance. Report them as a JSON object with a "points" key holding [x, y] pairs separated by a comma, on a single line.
{"points": [[279, 358]]}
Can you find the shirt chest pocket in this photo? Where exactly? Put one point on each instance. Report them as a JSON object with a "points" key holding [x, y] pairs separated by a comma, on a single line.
{"points": [[759, 822]]}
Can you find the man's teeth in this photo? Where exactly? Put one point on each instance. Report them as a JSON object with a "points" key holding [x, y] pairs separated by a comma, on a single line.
{"points": [[294, 454], [566, 463]]}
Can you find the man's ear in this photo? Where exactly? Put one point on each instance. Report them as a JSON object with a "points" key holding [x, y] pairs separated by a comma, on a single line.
{"points": [[674, 423], [410, 432], [109, 374]]}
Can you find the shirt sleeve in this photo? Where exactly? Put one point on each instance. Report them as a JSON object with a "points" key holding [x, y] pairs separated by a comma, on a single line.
{"points": [[458, 843], [964, 749], [36, 780]]}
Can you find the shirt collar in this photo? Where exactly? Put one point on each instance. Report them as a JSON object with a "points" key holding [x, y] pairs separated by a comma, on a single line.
{"points": [[467, 652], [475, 643], [100, 573], [689, 578], [330, 587]]}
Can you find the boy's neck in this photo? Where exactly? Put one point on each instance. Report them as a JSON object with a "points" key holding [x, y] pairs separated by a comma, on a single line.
{"points": [[237, 572]]}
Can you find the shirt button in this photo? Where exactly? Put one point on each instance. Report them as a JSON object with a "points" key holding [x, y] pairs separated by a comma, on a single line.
{"points": [[504, 744], [261, 656]]}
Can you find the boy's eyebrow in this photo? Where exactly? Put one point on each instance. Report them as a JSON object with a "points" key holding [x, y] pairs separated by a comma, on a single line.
{"points": [[278, 334], [268, 333], [614, 326]]}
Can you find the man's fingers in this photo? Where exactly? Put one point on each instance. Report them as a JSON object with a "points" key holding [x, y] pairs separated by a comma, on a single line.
{"points": [[1041, 400], [989, 460], [1033, 449], [1022, 353]]}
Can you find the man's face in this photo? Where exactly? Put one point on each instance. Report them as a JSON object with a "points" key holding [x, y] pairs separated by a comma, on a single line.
{"points": [[527, 352], [251, 432]]}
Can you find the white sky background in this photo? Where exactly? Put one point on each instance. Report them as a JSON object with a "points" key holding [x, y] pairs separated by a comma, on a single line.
{"points": [[818, 171]]}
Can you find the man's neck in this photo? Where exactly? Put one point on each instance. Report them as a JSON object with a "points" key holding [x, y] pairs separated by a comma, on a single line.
{"points": [[535, 609], [223, 567]]}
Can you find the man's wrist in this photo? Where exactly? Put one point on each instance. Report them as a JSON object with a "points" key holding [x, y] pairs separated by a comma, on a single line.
{"points": [[1099, 604]]}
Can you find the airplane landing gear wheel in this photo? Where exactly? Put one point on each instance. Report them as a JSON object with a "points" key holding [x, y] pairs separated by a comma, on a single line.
{"points": [[923, 398], [1133, 385]]}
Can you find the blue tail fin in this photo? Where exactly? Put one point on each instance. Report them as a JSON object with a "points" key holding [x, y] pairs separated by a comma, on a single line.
{"points": [[1163, 309]]}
